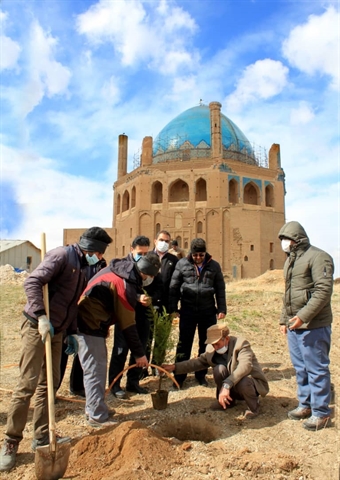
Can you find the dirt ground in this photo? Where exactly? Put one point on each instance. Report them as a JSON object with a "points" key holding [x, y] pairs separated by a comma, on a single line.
{"points": [[188, 440]]}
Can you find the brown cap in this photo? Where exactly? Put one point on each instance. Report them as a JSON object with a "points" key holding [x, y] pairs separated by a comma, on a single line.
{"points": [[216, 332]]}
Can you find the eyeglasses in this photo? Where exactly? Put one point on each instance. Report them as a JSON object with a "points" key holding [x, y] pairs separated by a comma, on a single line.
{"points": [[201, 255]]}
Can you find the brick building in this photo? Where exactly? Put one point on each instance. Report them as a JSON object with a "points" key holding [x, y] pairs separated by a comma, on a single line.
{"points": [[201, 177]]}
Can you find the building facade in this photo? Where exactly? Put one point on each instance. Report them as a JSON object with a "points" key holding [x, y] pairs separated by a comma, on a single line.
{"points": [[20, 254], [201, 177]]}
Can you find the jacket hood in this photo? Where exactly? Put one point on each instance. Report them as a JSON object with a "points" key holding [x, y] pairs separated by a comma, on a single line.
{"points": [[125, 268], [294, 231]]}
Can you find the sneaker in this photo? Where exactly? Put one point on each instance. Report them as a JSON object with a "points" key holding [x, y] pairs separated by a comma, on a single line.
{"points": [[135, 388], [8, 454], [118, 392], [78, 393], [202, 381], [316, 423], [299, 413], [95, 424], [45, 441]]}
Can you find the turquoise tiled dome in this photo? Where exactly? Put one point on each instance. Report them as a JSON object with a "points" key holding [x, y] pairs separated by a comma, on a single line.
{"points": [[191, 129]]}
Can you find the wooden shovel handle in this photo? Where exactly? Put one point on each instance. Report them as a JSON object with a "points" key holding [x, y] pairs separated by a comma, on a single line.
{"points": [[49, 364]]}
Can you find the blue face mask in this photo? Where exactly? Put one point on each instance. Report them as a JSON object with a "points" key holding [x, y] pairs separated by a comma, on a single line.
{"points": [[92, 260], [137, 257]]}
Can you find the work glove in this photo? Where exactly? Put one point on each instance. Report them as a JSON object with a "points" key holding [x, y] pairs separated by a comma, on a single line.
{"points": [[45, 326], [72, 345]]}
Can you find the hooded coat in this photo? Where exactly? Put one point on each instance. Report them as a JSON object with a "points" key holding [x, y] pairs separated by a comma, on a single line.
{"points": [[308, 273], [110, 297]]}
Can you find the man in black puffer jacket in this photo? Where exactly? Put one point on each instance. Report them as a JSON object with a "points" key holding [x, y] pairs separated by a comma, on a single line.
{"points": [[306, 318], [199, 285]]}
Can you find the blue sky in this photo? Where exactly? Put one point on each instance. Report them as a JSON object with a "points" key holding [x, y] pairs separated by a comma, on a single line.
{"points": [[76, 74]]}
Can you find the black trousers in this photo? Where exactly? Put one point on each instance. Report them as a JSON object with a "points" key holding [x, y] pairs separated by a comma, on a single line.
{"points": [[187, 327], [120, 351], [76, 375]]}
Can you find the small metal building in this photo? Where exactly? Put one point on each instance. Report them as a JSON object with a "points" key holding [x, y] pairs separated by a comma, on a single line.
{"points": [[20, 254]]}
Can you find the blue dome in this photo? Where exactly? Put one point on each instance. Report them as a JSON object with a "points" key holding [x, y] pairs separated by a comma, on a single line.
{"points": [[191, 129]]}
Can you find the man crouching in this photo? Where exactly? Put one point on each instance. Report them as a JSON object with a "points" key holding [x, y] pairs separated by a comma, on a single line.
{"points": [[237, 373]]}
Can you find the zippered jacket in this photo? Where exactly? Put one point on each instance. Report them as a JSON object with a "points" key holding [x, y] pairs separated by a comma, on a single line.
{"points": [[198, 291], [308, 273], [64, 269], [110, 297]]}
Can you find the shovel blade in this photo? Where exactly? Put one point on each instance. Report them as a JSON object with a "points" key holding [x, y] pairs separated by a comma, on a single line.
{"points": [[52, 465]]}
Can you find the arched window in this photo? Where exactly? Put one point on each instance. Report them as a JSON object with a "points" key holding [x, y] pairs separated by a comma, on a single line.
{"points": [[245, 258], [179, 192], [133, 197], [157, 193], [157, 228], [233, 191], [118, 205], [269, 196], [271, 264], [201, 190], [126, 201], [250, 194], [199, 227]]}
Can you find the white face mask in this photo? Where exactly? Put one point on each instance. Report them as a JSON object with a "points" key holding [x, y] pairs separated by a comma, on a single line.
{"points": [[285, 245], [222, 350], [162, 246], [147, 281]]}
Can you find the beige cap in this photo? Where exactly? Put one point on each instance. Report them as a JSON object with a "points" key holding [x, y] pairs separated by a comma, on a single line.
{"points": [[216, 332]]}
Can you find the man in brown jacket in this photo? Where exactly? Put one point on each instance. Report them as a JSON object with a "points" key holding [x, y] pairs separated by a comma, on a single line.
{"points": [[237, 373]]}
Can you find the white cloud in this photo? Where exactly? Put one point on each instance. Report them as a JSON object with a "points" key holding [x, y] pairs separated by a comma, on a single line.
{"points": [[261, 80], [46, 75], [52, 200], [9, 49], [314, 46], [159, 36], [301, 115], [10, 52]]}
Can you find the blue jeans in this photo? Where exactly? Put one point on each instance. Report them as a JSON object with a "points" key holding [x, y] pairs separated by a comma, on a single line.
{"points": [[309, 352]]}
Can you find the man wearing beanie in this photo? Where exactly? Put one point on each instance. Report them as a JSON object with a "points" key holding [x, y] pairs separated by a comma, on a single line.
{"points": [[198, 284], [65, 270], [110, 297]]}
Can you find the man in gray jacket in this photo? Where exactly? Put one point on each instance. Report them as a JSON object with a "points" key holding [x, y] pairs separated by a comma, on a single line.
{"points": [[306, 318], [65, 270], [237, 373]]}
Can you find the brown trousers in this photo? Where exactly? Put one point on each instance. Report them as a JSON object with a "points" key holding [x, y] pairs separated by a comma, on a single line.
{"points": [[243, 390], [33, 379]]}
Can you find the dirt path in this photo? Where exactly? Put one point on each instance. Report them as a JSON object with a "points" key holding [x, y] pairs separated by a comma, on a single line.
{"points": [[188, 440]]}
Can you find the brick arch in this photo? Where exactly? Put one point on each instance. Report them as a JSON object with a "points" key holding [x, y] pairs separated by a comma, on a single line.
{"points": [[179, 191], [251, 194]]}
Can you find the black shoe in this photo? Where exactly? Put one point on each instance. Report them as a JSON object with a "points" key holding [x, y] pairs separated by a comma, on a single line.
{"points": [[144, 374], [135, 388], [202, 381], [118, 392], [79, 393]]}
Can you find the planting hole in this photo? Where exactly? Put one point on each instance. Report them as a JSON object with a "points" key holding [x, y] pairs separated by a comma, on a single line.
{"points": [[196, 429]]}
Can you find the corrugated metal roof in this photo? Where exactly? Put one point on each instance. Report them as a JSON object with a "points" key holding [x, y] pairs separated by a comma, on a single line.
{"points": [[8, 244]]}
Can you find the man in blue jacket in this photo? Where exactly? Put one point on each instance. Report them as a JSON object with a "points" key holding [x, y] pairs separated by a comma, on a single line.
{"points": [[306, 319], [64, 269]]}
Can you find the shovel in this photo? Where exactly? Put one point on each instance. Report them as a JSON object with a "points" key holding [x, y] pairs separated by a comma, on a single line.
{"points": [[50, 460]]}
